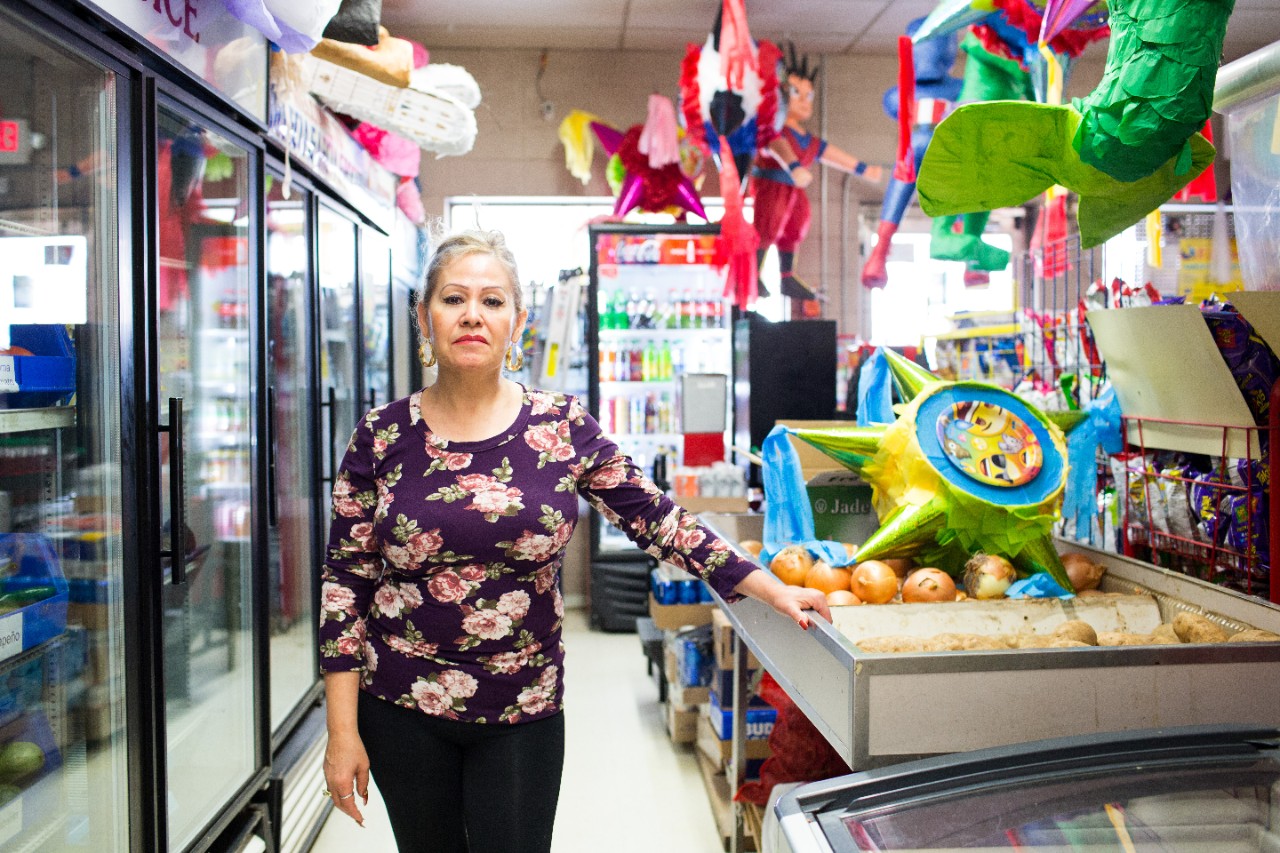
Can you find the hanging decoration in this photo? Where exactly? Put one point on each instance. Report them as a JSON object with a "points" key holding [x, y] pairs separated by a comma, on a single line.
{"points": [[965, 467], [293, 27], [1124, 149], [729, 89]]}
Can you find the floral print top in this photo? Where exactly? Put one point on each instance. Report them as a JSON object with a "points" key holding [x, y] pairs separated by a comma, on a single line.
{"points": [[442, 579]]}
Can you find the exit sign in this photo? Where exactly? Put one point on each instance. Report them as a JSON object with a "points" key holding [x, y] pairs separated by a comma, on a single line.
{"points": [[15, 142]]}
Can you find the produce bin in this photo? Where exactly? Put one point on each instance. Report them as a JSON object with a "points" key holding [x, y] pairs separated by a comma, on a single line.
{"points": [[34, 590], [45, 378], [880, 709]]}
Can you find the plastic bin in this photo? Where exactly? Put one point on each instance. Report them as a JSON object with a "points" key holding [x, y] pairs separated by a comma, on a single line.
{"points": [[47, 378], [29, 563]]}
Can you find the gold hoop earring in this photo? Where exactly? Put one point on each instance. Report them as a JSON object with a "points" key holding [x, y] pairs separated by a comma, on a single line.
{"points": [[424, 348], [514, 354]]}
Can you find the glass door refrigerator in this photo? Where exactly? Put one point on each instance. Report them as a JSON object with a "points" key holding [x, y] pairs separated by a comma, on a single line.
{"points": [[65, 564], [656, 312], [206, 407]]}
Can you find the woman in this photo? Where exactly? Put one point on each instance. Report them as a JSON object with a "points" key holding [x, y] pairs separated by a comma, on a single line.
{"points": [[441, 613]]}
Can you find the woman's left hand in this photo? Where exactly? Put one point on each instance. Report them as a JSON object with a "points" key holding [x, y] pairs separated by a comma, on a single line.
{"points": [[790, 601]]}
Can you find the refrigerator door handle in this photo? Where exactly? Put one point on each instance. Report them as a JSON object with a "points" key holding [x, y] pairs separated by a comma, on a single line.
{"points": [[177, 552], [272, 513], [331, 403]]}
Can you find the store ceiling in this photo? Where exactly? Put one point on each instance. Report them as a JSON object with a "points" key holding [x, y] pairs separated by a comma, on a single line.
{"points": [[835, 27]]}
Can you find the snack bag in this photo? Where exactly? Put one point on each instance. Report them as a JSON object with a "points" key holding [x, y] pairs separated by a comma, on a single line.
{"points": [[1252, 364]]}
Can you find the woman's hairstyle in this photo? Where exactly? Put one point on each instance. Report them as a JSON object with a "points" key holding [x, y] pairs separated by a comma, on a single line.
{"points": [[458, 246]]}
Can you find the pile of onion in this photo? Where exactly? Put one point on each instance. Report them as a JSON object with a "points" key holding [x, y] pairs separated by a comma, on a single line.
{"points": [[928, 584], [875, 582], [791, 564], [827, 578], [988, 576], [842, 598], [1083, 572], [752, 546]]}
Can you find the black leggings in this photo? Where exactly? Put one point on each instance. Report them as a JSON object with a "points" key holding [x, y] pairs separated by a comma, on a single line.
{"points": [[453, 787]]}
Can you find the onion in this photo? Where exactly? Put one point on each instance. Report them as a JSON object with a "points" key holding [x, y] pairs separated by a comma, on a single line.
{"points": [[928, 585], [841, 597], [827, 578], [875, 582], [791, 564], [752, 546], [900, 565], [850, 548], [1083, 572], [988, 576]]}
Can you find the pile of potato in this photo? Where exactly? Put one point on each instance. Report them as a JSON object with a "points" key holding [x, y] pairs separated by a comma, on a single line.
{"points": [[1185, 628]]}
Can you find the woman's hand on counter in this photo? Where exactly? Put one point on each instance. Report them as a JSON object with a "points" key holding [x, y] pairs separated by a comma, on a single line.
{"points": [[790, 601]]}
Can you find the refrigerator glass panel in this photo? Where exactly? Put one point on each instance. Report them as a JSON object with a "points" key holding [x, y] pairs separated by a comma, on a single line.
{"points": [[375, 316], [204, 361], [292, 495], [63, 782], [661, 314], [338, 346], [1224, 809]]}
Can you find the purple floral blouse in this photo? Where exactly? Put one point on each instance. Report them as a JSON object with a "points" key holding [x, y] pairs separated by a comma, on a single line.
{"points": [[442, 582]]}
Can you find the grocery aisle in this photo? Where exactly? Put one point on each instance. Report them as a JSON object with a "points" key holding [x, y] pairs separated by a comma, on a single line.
{"points": [[626, 788]]}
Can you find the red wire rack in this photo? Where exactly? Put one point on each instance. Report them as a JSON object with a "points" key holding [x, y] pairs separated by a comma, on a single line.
{"points": [[1210, 557]]}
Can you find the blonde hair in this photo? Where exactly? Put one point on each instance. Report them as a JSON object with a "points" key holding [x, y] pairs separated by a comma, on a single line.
{"points": [[458, 246]]}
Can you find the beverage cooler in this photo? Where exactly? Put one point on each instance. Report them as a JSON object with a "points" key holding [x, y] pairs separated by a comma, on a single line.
{"points": [[189, 328], [657, 317]]}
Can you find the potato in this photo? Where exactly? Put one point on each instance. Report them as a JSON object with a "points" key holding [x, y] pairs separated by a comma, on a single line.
{"points": [[968, 642], [1077, 629], [892, 643], [1042, 641], [1123, 638], [1165, 635], [1253, 635], [1194, 628]]}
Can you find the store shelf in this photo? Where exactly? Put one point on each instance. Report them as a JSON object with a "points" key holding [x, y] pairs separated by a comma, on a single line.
{"points": [[29, 420], [627, 387], [1003, 329], [660, 334]]}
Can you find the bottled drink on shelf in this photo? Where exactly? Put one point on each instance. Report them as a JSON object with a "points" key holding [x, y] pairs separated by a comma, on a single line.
{"points": [[718, 318], [636, 415], [664, 362], [621, 415], [704, 313], [635, 373], [651, 413], [633, 310], [687, 310], [648, 309]]}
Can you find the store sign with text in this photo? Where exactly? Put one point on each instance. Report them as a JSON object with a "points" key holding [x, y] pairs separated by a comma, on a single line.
{"points": [[202, 36], [319, 140]]}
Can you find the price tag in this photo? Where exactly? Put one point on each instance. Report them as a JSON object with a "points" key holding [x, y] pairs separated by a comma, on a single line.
{"points": [[8, 374], [10, 635]]}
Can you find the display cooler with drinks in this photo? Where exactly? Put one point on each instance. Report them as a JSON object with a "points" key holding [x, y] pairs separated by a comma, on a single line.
{"points": [[657, 315]]}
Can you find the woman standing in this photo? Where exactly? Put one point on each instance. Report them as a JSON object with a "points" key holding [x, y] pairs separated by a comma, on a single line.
{"points": [[441, 610]]}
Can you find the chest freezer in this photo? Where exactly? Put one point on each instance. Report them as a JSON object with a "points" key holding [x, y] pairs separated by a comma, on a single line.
{"points": [[1192, 789]]}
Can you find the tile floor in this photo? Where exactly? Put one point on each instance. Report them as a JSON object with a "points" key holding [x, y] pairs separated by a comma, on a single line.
{"points": [[626, 787]]}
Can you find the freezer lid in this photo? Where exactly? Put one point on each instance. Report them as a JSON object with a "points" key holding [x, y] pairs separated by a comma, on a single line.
{"points": [[1203, 788]]}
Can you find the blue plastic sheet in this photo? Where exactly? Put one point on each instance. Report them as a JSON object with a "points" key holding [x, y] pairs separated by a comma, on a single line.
{"points": [[875, 391], [788, 518]]}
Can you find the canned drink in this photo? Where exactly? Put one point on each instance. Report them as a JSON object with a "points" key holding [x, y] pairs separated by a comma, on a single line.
{"points": [[689, 593], [663, 588]]}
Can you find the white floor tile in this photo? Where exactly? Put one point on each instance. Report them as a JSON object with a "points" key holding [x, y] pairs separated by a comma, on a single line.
{"points": [[626, 787]]}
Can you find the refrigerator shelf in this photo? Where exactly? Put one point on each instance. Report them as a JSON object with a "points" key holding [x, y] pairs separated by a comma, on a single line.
{"points": [[29, 420], [698, 333]]}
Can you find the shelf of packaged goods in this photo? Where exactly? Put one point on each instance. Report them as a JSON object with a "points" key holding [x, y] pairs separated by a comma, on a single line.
{"points": [[700, 334], [627, 387], [29, 420], [1002, 330], [648, 436]]}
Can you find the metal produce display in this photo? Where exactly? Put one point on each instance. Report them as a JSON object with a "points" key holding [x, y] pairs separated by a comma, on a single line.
{"points": [[883, 708]]}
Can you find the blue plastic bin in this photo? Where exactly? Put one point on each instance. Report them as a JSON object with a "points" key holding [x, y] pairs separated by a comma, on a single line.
{"points": [[47, 378]]}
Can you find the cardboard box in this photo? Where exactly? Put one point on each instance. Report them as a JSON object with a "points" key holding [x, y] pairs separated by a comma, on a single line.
{"points": [[682, 722], [722, 638], [841, 503], [722, 685], [719, 750], [670, 617]]}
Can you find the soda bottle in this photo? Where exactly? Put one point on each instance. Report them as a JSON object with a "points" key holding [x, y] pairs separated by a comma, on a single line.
{"points": [[605, 368], [637, 413], [636, 372], [621, 415], [664, 362], [687, 310], [633, 310], [618, 314], [717, 314], [604, 308], [651, 414], [648, 310], [652, 370]]}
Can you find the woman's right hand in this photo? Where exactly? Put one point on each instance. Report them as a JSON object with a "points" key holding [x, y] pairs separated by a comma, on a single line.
{"points": [[346, 774]]}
